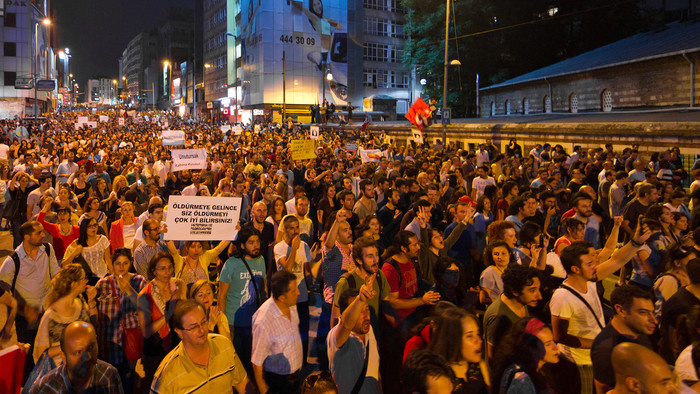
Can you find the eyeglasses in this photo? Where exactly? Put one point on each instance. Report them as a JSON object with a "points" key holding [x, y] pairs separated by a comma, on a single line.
{"points": [[203, 325], [311, 380]]}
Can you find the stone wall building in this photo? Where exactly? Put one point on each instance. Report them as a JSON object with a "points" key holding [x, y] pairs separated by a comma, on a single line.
{"points": [[647, 71]]}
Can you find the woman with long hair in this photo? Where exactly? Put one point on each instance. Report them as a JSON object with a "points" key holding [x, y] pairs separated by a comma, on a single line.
{"points": [[203, 292], [326, 205], [123, 231], [91, 210], [65, 305], [496, 260], [277, 212], [674, 276], [81, 188], [93, 247], [465, 355], [18, 192], [63, 233], [520, 359], [194, 265], [117, 307], [156, 304]]}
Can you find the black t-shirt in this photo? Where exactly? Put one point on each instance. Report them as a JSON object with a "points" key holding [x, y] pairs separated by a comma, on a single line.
{"points": [[632, 211], [676, 306], [574, 186], [601, 351]]}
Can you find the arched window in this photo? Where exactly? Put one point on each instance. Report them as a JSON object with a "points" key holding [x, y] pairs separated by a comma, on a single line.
{"points": [[547, 104], [573, 103], [526, 106], [606, 100], [493, 108], [507, 105]]}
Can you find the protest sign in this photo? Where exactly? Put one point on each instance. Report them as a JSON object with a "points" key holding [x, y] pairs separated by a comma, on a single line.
{"points": [[225, 128], [257, 128], [303, 149], [173, 137], [314, 132], [198, 218], [82, 119], [120, 121], [370, 155], [104, 118], [351, 146], [189, 159], [237, 130], [418, 137], [91, 124]]}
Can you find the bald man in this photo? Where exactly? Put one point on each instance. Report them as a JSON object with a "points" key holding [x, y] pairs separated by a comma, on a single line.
{"points": [[651, 375], [81, 371]]}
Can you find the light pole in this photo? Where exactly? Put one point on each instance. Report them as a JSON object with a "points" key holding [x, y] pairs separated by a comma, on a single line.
{"points": [[444, 77], [126, 89], [70, 89], [114, 91], [45, 22], [235, 86], [167, 88], [207, 66]]}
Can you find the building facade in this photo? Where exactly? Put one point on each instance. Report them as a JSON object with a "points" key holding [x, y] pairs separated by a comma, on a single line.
{"points": [[654, 70], [26, 53]]}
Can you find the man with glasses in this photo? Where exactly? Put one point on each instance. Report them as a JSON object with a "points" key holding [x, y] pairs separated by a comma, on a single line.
{"points": [[204, 362], [155, 212], [151, 245]]}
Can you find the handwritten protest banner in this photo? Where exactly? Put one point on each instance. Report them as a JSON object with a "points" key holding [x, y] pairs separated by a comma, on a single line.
{"points": [[189, 159], [351, 146], [82, 119], [198, 218], [303, 149], [225, 128], [173, 137], [237, 130], [104, 118]]}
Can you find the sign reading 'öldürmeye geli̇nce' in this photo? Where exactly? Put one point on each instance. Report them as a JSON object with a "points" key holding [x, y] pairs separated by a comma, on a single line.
{"points": [[202, 218]]}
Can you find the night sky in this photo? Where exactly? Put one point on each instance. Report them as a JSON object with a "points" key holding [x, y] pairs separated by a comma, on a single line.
{"points": [[97, 32]]}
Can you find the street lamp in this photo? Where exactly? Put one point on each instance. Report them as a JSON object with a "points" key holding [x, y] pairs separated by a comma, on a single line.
{"points": [[166, 63], [45, 22]]}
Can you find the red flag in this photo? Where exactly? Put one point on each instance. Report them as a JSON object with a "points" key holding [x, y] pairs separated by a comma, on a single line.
{"points": [[419, 114]]}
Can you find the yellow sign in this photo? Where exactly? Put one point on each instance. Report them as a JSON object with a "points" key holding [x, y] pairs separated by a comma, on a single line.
{"points": [[303, 149]]}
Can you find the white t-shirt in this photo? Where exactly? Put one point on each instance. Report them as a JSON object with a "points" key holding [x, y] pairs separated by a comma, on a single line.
{"points": [[582, 323], [192, 190], [128, 234], [95, 256], [479, 184], [4, 150], [303, 256]]}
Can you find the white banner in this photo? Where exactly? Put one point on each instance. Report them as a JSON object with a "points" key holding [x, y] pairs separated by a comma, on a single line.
{"points": [[225, 128], [314, 132], [91, 124], [173, 137], [104, 118], [370, 155], [237, 130], [82, 119], [198, 218], [189, 159]]}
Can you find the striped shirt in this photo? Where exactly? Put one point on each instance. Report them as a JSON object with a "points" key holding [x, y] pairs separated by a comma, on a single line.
{"points": [[276, 340], [177, 373]]}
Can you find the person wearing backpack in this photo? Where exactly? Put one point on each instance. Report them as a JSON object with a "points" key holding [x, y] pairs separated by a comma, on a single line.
{"points": [[577, 313], [27, 272]]}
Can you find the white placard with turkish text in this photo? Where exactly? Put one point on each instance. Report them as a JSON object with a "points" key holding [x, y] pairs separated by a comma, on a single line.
{"points": [[199, 218]]}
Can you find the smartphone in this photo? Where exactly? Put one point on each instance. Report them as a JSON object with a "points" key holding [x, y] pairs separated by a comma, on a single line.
{"points": [[138, 182]]}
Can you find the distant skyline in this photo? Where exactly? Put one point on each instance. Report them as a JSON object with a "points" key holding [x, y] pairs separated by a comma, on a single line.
{"points": [[97, 32]]}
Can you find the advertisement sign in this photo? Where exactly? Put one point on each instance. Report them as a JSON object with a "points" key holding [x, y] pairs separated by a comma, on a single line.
{"points": [[189, 159], [303, 149], [313, 36], [173, 137], [198, 218]]}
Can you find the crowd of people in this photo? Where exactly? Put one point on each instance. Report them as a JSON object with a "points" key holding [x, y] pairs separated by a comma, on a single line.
{"points": [[436, 269]]}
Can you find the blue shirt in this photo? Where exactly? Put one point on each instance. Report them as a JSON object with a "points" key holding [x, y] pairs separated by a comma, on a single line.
{"points": [[241, 298], [460, 250]]}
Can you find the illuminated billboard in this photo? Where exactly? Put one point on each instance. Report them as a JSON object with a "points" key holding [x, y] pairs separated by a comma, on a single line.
{"points": [[313, 36]]}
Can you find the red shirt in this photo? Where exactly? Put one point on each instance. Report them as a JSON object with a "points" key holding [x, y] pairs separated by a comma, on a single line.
{"points": [[408, 286], [60, 242]]}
